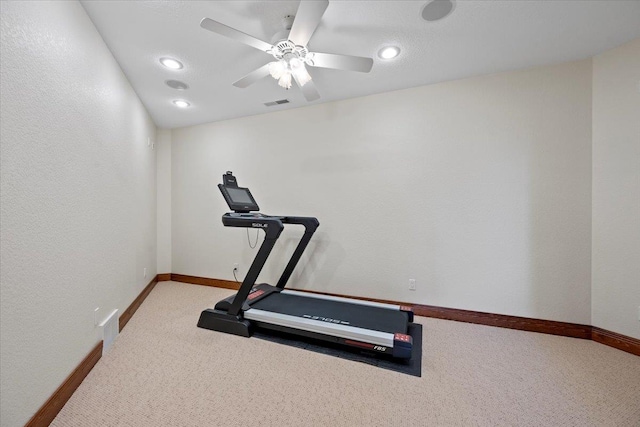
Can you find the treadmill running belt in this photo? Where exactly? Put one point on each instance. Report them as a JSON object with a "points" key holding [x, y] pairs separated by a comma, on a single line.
{"points": [[360, 316]]}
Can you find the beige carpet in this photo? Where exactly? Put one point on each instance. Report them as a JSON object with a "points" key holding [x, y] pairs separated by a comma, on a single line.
{"points": [[164, 371]]}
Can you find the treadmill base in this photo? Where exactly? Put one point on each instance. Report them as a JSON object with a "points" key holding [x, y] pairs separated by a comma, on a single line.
{"points": [[221, 321]]}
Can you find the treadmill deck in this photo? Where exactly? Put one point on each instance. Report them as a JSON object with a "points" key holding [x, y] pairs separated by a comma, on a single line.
{"points": [[336, 312]]}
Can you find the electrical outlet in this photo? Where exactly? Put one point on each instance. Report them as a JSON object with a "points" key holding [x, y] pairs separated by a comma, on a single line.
{"points": [[144, 272], [95, 316], [412, 284]]}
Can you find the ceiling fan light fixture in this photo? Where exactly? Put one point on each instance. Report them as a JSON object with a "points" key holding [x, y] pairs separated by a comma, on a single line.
{"points": [[295, 63], [302, 75], [286, 68], [174, 64], [181, 103], [389, 52], [277, 69], [285, 81]]}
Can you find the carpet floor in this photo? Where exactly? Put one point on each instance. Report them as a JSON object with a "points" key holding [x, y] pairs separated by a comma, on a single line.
{"points": [[164, 371]]}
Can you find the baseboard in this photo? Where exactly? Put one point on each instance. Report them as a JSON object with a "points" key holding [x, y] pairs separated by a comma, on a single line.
{"points": [[54, 404], [164, 277], [128, 313], [205, 281], [51, 407], [573, 330], [616, 340]]}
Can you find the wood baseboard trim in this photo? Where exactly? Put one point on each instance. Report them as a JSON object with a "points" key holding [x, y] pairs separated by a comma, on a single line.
{"points": [[551, 327], [616, 340], [164, 277], [128, 313], [59, 398], [51, 407], [205, 281], [573, 330]]}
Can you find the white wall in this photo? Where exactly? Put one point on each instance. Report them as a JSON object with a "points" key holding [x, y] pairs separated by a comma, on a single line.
{"points": [[163, 147], [480, 189], [616, 190], [78, 197]]}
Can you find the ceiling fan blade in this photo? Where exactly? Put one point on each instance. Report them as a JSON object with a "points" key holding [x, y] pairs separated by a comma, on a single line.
{"points": [[306, 21], [253, 76], [232, 33], [308, 90], [342, 62]]}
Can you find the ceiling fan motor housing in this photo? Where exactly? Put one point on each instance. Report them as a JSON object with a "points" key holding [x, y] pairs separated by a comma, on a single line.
{"points": [[287, 50]]}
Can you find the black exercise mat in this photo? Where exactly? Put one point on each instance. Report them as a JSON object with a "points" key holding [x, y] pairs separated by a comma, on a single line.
{"points": [[412, 366]]}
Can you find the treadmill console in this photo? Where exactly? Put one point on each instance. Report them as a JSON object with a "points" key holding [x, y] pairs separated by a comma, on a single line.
{"points": [[239, 199]]}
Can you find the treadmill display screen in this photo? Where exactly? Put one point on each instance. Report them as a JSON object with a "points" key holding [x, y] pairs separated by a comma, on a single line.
{"points": [[239, 195], [239, 199]]}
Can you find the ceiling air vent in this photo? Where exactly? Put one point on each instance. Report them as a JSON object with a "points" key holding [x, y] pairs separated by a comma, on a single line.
{"points": [[278, 102]]}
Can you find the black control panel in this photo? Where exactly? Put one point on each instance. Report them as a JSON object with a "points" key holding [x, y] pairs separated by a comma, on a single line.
{"points": [[239, 199]]}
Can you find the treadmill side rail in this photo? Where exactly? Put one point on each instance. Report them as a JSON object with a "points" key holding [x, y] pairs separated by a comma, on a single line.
{"points": [[342, 331]]}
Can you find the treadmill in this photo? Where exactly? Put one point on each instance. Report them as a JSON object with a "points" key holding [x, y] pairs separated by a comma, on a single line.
{"points": [[377, 327]]}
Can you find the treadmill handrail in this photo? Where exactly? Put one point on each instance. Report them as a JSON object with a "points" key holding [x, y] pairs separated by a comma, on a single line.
{"points": [[310, 226], [272, 226]]}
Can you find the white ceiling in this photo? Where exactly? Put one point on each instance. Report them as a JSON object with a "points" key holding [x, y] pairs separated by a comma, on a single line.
{"points": [[479, 37]]}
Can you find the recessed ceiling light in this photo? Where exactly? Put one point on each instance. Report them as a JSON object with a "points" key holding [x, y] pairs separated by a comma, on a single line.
{"points": [[181, 103], [177, 84], [389, 52], [174, 64], [436, 10]]}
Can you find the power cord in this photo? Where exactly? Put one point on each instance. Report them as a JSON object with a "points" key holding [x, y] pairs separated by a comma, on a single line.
{"points": [[249, 240], [252, 246]]}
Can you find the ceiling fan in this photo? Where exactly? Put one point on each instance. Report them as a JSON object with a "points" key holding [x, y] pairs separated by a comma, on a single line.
{"points": [[291, 53]]}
